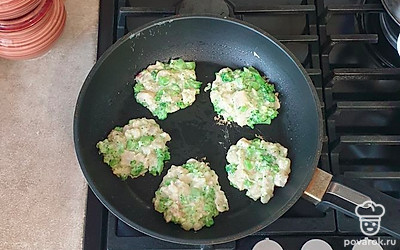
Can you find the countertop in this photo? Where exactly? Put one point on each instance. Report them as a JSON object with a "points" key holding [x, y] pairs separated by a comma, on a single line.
{"points": [[42, 189]]}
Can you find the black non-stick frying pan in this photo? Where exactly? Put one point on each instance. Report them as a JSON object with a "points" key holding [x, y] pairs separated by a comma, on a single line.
{"points": [[106, 100]]}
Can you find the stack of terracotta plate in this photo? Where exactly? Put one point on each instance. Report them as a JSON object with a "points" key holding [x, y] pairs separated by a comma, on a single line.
{"points": [[28, 28]]}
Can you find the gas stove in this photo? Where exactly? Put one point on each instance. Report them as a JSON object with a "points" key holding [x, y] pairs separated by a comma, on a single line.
{"points": [[347, 49]]}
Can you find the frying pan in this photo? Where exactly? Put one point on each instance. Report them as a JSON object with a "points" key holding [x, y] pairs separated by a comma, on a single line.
{"points": [[106, 100]]}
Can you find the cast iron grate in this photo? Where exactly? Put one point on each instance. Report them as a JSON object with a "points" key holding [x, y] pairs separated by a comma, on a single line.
{"points": [[362, 101], [358, 92]]}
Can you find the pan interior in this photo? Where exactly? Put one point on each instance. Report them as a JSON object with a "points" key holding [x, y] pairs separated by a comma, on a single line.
{"points": [[107, 101]]}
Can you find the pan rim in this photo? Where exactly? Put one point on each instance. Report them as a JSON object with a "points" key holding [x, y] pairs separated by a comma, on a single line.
{"points": [[295, 197]]}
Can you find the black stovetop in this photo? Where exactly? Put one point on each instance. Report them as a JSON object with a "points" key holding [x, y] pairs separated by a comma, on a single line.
{"points": [[341, 45]]}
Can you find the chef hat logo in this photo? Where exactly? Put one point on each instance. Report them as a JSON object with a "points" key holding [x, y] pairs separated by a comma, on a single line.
{"points": [[370, 215], [370, 209]]}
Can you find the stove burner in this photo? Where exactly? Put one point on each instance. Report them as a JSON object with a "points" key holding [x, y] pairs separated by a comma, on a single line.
{"points": [[215, 7], [390, 29], [393, 8], [384, 51]]}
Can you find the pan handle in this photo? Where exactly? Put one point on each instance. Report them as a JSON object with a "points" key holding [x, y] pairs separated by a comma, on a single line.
{"points": [[357, 200]]}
